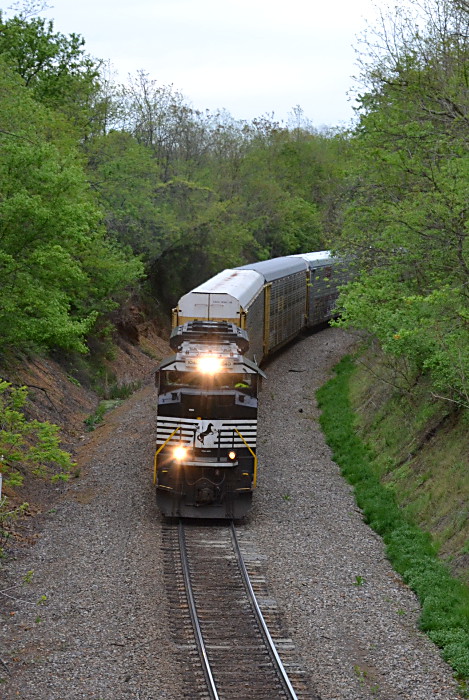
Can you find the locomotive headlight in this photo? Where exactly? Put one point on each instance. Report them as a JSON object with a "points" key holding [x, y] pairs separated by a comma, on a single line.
{"points": [[207, 364], [179, 453], [232, 455]]}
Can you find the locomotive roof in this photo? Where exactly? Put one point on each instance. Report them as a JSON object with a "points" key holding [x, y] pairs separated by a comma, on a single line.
{"points": [[317, 259], [277, 267], [239, 284]]}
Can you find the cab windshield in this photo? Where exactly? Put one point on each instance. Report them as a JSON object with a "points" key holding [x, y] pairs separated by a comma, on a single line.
{"points": [[172, 380]]}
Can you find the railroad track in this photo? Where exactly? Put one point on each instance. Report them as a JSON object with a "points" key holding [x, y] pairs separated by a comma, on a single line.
{"points": [[230, 650]]}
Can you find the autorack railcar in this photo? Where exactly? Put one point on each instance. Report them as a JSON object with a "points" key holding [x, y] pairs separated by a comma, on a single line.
{"points": [[205, 463]]}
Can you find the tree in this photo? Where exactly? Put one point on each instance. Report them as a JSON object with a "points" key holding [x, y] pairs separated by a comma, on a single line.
{"points": [[159, 118], [408, 221], [282, 182], [125, 176], [59, 271], [54, 67]]}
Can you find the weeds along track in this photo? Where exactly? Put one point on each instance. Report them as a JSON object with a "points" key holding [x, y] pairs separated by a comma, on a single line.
{"points": [[229, 649]]}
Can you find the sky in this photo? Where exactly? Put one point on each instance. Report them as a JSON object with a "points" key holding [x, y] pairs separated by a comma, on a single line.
{"points": [[251, 57]]}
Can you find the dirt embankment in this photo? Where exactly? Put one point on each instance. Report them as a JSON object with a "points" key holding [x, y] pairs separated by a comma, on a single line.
{"points": [[60, 393]]}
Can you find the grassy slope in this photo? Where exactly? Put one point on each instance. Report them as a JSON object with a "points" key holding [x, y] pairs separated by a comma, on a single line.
{"points": [[390, 448], [421, 451]]}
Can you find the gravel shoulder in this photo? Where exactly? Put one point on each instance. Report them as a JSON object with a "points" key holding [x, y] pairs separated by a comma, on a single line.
{"points": [[353, 620], [103, 630], [93, 622]]}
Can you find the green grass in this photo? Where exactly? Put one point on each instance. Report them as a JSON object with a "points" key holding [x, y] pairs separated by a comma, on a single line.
{"points": [[123, 391], [444, 600]]}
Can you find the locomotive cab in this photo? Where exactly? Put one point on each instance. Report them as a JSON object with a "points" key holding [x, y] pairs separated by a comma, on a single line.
{"points": [[205, 461]]}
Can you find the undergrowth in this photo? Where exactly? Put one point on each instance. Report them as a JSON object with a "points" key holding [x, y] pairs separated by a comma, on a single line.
{"points": [[444, 600], [93, 372], [98, 416], [28, 448]]}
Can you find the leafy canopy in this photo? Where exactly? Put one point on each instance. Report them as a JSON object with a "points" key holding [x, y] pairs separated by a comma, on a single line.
{"points": [[58, 270], [407, 222]]}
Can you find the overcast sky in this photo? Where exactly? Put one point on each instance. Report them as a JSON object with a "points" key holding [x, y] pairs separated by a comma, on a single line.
{"points": [[251, 57]]}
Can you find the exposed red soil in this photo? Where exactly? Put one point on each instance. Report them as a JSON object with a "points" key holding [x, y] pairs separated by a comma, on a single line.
{"points": [[56, 397]]}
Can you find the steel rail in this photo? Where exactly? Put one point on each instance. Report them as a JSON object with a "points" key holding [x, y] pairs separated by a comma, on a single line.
{"points": [[260, 618], [193, 613]]}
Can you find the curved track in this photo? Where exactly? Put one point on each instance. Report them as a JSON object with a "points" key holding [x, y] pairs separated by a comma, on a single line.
{"points": [[233, 644]]}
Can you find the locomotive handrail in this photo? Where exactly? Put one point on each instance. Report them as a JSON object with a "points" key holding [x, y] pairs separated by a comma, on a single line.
{"points": [[254, 479], [227, 432], [155, 460]]}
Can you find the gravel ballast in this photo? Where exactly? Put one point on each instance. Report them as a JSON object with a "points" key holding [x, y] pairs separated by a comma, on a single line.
{"points": [[93, 620]]}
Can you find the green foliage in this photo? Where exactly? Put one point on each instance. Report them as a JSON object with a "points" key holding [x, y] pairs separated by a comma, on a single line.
{"points": [[122, 391], [444, 600], [95, 418], [26, 447], [58, 270], [103, 407], [211, 192], [53, 67], [210, 237], [94, 174], [407, 222], [28, 577], [281, 182], [27, 442], [125, 176]]}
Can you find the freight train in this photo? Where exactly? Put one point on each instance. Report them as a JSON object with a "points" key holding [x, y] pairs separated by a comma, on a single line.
{"points": [[205, 464]]}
